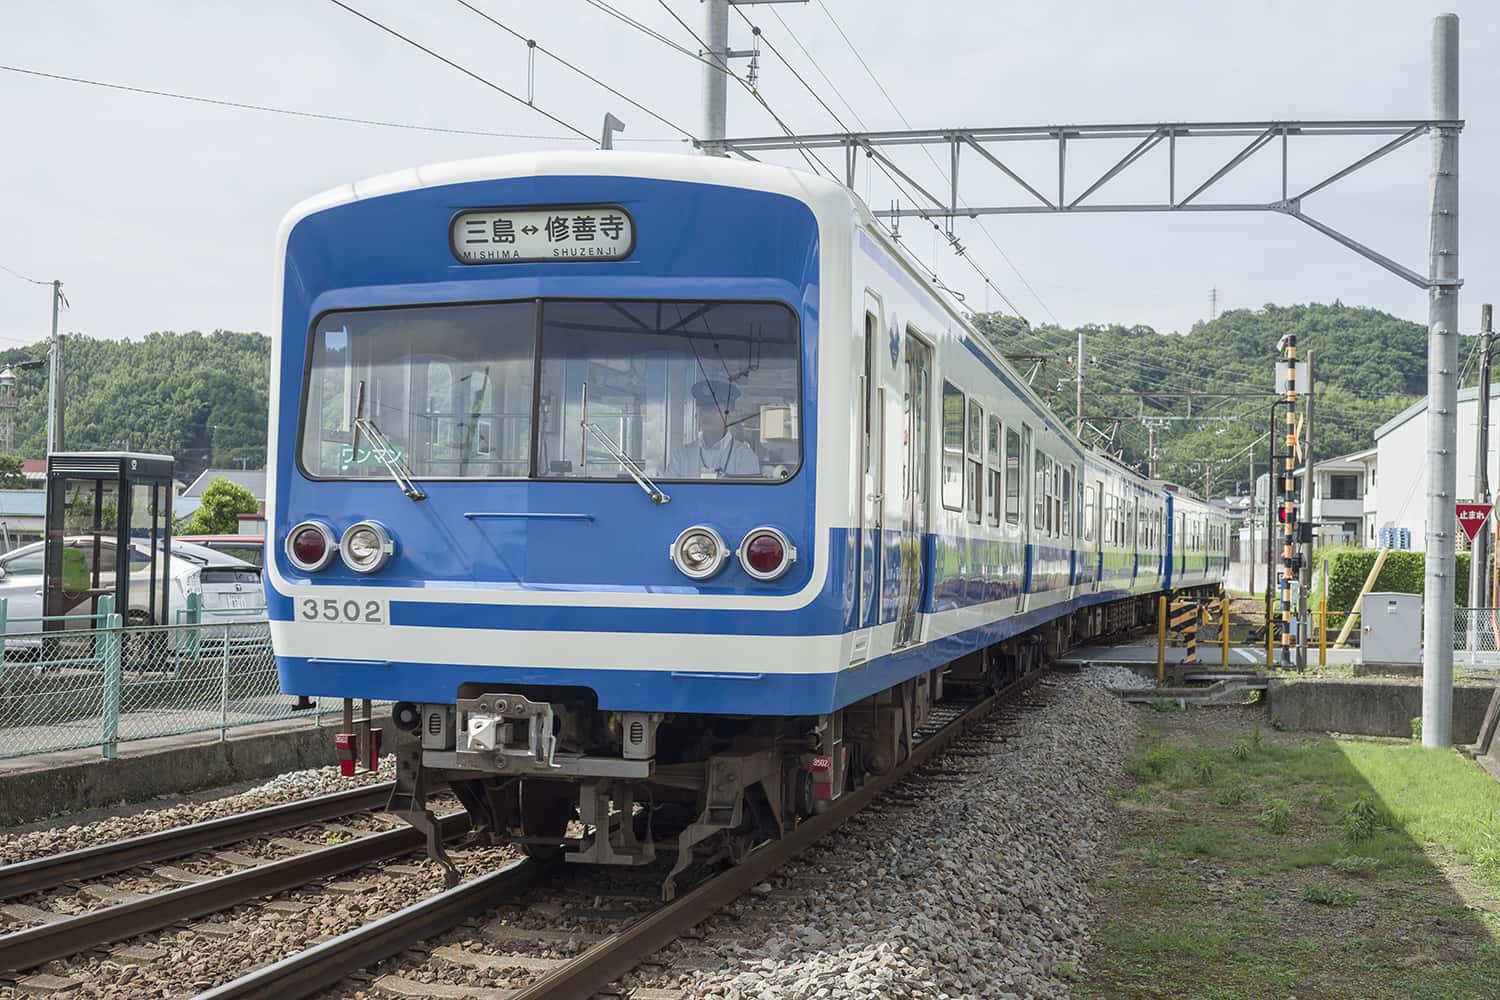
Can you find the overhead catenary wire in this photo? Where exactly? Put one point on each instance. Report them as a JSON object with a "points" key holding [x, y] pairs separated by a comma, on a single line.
{"points": [[464, 70], [531, 42], [957, 249], [271, 109], [983, 228], [17, 274]]}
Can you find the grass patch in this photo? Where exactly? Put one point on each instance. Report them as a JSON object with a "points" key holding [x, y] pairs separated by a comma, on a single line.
{"points": [[1215, 890], [1329, 895]]}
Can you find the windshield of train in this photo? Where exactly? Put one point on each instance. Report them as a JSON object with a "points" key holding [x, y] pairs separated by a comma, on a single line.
{"points": [[684, 390]]}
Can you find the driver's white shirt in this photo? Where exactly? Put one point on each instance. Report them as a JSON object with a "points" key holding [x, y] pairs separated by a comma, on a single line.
{"points": [[727, 456]]}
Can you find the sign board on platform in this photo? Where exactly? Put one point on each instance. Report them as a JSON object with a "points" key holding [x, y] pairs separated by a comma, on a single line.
{"points": [[1471, 517]]}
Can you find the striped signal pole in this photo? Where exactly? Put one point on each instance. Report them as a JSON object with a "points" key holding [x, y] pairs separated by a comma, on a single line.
{"points": [[1289, 497]]}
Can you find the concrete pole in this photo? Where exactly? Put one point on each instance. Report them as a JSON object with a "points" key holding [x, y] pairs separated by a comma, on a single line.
{"points": [[55, 378], [715, 73], [1442, 392], [1479, 556], [1078, 391], [1250, 544], [1309, 479]]}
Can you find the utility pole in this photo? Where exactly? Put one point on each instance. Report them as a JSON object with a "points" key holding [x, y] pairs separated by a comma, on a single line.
{"points": [[716, 72], [1078, 390], [1150, 451], [1309, 479], [1442, 393], [55, 377], [1213, 303], [1250, 542], [1479, 556]]}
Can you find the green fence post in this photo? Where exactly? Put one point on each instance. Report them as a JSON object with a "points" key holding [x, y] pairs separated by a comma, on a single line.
{"points": [[113, 645], [224, 690], [101, 621]]}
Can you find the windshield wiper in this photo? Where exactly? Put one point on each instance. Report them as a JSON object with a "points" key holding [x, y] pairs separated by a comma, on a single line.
{"points": [[656, 493], [383, 449]]}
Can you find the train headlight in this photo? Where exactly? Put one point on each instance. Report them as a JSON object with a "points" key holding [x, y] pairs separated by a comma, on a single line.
{"points": [[767, 553], [310, 546], [699, 552], [366, 546]]}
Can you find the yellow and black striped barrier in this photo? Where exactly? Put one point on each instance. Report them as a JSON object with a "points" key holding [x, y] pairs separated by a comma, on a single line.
{"points": [[1185, 619]]}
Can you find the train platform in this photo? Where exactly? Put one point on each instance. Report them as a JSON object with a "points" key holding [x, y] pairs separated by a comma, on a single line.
{"points": [[1141, 654]]}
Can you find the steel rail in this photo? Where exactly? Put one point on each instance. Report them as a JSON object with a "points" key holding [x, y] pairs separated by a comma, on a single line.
{"points": [[599, 966], [39, 874], [34, 946], [318, 968], [324, 965]]}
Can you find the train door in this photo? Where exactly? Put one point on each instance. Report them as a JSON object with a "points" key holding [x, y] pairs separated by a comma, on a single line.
{"points": [[1098, 529], [872, 450], [1028, 516], [916, 474]]}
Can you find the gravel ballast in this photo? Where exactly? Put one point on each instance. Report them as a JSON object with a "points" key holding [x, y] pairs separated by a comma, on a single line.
{"points": [[979, 890]]}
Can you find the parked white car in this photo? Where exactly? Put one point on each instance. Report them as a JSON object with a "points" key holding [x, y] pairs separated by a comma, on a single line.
{"points": [[230, 587], [21, 582]]}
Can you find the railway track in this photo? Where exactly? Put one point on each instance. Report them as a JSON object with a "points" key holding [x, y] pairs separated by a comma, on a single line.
{"points": [[193, 894], [602, 956]]}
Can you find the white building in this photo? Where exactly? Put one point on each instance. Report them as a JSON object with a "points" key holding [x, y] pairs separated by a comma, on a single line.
{"points": [[1343, 506], [1396, 492]]}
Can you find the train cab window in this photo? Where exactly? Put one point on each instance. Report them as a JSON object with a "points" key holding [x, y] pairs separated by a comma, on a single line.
{"points": [[974, 466], [686, 390], [993, 484], [1012, 476], [953, 447], [448, 386]]}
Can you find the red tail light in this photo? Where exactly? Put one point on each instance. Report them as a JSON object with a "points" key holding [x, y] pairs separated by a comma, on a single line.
{"points": [[766, 553], [310, 546]]}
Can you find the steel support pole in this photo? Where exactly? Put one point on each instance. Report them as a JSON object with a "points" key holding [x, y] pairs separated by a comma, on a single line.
{"points": [[55, 378], [1442, 419], [1078, 390], [1479, 556], [1250, 543], [716, 73]]}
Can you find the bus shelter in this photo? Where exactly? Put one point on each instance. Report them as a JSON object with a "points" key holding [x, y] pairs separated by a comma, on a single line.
{"points": [[109, 534]]}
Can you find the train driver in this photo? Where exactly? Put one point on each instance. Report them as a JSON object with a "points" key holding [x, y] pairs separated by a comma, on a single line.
{"points": [[715, 452]]}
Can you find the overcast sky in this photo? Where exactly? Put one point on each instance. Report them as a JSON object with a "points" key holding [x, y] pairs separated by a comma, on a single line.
{"points": [[159, 214]]}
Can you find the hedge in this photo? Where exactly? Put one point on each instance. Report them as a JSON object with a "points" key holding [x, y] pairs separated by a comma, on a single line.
{"points": [[1404, 572]]}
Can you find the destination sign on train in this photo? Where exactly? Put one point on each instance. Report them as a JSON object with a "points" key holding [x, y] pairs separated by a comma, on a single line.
{"points": [[518, 235]]}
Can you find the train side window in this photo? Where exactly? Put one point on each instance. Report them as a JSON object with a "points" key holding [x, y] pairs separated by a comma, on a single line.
{"points": [[974, 467], [1057, 498], [1067, 502], [1012, 476], [1086, 509], [953, 447], [1040, 505], [992, 481]]}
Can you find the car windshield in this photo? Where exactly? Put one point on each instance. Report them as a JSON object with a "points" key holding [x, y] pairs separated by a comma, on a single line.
{"points": [[684, 389]]}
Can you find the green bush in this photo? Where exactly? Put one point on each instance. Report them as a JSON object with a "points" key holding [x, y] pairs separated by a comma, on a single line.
{"points": [[1403, 573]]}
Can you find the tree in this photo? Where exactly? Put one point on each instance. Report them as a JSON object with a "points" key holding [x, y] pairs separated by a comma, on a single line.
{"points": [[223, 502], [10, 474]]}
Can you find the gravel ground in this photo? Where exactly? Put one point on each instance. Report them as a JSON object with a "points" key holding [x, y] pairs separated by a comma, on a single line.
{"points": [[979, 890], [282, 788], [1115, 677]]}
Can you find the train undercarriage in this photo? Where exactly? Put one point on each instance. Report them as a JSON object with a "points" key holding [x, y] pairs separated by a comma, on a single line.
{"points": [[545, 769]]}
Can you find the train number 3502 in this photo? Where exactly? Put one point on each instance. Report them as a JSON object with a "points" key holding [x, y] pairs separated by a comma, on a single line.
{"points": [[347, 612]]}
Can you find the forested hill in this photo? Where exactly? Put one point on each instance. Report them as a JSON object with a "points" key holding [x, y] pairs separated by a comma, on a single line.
{"points": [[1368, 365], [202, 397], [199, 397]]}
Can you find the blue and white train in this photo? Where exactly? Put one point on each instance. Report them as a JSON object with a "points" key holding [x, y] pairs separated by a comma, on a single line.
{"points": [[666, 481]]}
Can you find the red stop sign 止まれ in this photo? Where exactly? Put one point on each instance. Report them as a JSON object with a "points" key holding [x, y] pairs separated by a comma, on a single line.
{"points": [[1471, 516]]}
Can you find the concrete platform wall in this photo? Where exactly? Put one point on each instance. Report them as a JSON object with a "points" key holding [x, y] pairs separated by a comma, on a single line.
{"points": [[1371, 707], [34, 788]]}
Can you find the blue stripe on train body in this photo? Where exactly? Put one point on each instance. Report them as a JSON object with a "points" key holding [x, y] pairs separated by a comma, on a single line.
{"points": [[695, 241]]}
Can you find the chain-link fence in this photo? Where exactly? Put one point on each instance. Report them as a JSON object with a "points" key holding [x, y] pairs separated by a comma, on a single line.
{"points": [[1476, 636], [89, 685]]}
